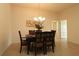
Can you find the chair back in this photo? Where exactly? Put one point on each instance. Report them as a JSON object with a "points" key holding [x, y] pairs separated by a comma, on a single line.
{"points": [[32, 32], [20, 36], [38, 30], [53, 33], [48, 36], [38, 37]]}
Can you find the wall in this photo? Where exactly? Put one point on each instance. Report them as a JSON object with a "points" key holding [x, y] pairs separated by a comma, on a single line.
{"points": [[72, 16], [21, 14], [4, 27]]}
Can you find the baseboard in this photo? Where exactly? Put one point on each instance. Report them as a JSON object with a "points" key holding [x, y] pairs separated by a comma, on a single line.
{"points": [[5, 49], [73, 42]]}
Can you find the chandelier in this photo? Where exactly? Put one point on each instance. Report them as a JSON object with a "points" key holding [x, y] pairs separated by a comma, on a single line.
{"points": [[39, 20]]}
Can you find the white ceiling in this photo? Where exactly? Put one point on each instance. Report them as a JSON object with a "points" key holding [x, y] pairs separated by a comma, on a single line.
{"points": [[54, 7]]}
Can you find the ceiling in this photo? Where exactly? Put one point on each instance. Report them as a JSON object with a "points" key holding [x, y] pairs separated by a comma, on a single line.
{"points": [[54, 7]]}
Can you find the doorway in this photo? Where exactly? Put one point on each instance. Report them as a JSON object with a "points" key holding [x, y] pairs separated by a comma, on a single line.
{"points": [[64, 30]]}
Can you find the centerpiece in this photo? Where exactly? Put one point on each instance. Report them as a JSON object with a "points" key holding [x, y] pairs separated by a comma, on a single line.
{"points": [[39, 26]]}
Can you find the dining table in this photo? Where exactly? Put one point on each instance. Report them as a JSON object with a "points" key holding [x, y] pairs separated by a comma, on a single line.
{"points": [[31, 39]]}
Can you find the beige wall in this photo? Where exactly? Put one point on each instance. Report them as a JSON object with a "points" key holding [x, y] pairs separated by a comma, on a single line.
{"points": [[4, 27], [21, 14], [72, 16]]}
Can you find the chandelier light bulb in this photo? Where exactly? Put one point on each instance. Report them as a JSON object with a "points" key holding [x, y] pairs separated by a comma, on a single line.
{"points": [[35, 19], [43, 18], [40, 17]]}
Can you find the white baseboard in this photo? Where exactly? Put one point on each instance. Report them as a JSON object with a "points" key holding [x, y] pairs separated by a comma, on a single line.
{"points": [[5, 49]]}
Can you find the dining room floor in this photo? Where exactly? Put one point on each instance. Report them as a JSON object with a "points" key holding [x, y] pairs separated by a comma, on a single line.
{"points": [[61, 49]]}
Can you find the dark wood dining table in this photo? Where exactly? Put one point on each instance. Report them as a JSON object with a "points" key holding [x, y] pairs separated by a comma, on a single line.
{"points": [[31, 38]]}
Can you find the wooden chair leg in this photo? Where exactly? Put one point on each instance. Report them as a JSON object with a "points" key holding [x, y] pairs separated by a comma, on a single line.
{"points": [[53, 47], [28, 49], [20, 49], [54, 43], [45, 49], [35, 51]]}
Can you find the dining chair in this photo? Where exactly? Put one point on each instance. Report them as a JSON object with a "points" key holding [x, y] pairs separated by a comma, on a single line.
{"points": [[23, 41], [32, 33], [38, 43], [49, 40]]}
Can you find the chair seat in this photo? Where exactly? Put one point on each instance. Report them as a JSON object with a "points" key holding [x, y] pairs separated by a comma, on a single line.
{"points": [[48, 43], [38, 45], [24, 42]]}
